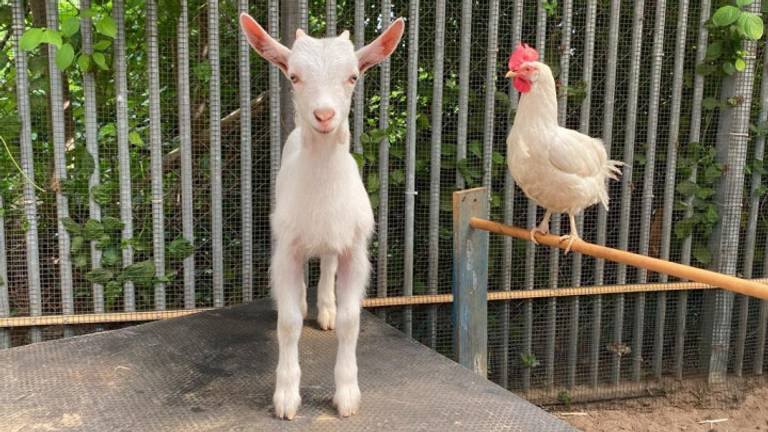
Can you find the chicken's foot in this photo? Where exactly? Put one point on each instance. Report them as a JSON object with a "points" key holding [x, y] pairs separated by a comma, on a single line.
{"points": [[543, 227], [572, 236]]}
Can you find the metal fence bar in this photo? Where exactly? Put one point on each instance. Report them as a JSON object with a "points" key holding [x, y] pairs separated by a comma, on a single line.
{"points": [[694, 136], [509, 213], [330, 18], [123, 150], [359, 98], [275, 139], [5, 308], [433, 275], [27, 163], [304, 15], [609, 101], [246, 159], [626, 178], [754, 207], [383, 222], [217, 225], [465, 48], [669, 186], [185, 136], [491, 55], [60, 163], [410, 161], [156, 153], [648, 177], [92, 145]]}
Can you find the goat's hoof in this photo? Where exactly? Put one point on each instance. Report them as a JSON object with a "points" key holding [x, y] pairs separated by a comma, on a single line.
{"points": [[326, 318], [286, 402], [347, 400]]}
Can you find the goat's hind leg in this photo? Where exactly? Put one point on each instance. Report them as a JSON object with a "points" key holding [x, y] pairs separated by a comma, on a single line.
{"points": [[288, 292], [353, 272], [326, 298]]}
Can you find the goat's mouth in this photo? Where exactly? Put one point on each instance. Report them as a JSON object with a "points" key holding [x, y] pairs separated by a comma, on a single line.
{"points": [[323, 130]]}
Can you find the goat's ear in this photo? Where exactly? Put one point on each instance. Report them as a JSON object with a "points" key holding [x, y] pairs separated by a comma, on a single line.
{"points": [[272, 50], [300, 33], [344, 35], [384, 45]]}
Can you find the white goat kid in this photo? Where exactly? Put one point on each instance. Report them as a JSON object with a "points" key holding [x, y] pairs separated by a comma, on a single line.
{"points": [[322, 208]]}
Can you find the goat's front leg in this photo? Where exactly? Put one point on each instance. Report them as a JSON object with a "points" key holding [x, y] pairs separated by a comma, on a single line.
{"points": [[353, 272], [287, 290], [326, 299]]}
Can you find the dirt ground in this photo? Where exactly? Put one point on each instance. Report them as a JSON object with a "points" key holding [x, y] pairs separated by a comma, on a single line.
{"points": [[682, 411]]}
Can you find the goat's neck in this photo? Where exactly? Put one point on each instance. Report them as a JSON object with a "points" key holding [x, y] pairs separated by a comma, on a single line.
{"points": [[318, 144], [539, 105]]}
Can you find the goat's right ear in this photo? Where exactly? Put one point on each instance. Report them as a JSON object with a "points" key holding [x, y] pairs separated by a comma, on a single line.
{"points": [[381, 48], [267, 47]]}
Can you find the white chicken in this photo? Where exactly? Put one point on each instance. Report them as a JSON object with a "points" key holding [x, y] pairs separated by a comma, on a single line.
{"points": [[560, 169]]}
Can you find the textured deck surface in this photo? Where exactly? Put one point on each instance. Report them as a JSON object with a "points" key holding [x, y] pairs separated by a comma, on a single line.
{"points": [[215, 371]]}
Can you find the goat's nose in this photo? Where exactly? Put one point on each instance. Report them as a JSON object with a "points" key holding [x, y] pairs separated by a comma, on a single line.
{"points": [[324, 114]]}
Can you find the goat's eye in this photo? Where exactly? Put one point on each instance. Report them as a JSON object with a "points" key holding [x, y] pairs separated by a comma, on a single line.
{"points": [[353, 79], [294, 79]]}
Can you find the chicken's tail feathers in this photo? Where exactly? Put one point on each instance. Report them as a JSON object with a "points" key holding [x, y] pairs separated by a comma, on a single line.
{"points": [[613, 169]]}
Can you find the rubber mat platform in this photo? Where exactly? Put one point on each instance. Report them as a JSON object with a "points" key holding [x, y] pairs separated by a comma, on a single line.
{"points": [[215, 371]]}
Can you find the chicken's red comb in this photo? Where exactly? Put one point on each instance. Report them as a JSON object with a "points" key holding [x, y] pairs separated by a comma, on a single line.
{"points": [[523, 53]]}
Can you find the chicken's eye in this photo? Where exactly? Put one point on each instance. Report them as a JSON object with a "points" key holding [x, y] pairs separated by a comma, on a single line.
{"points": [[294, 79]]}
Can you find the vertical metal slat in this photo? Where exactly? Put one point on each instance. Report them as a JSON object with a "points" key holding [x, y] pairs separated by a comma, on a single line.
{"points": [[156, 152], [465, 48], [383, 222], [185, 135], [246, 160], [410, 161], [60, 163], [330, 18], [5, 308], [123, 150], [359, 98]]}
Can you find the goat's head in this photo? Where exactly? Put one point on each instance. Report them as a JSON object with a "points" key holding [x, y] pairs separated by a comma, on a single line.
{"points": [[323, 72]]}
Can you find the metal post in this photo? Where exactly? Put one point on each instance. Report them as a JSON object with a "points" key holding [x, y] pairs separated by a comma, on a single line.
{"points": [[246, 160], [185, 136], [470, 280]]}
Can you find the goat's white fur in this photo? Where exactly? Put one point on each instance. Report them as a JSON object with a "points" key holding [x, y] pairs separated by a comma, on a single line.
{"points": [[321, 208]]}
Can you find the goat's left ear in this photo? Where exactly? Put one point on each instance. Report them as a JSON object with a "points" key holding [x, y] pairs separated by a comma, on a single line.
{"points": [[272, 50], [381, 48]]}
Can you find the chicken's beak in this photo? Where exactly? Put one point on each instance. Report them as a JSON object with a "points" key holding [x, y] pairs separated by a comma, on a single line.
{"points": [[510, 74]]}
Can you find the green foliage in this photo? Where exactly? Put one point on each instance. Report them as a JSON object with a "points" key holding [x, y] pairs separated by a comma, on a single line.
{"points": [[565, 398], [729, 27], [529, 360], [698, 195], [179, 248]]}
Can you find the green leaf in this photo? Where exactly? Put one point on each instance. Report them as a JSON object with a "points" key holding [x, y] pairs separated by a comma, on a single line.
{"points": [[100, 60], [93, 230], [180, 248], [99, 276], [702, 254], [80, 260], [111, 223], [71, 226], [102, 44], [102, 194], [684, 228], [140, 272], [705, 69], [52, 37], [84, 62], [135, 138], [110, 257], [714, 50], [76, 243], [32, 38], [88, 13], [739, 64], [742, 3], [104, 241], [373, 182], [397, 177], [729, 68], [710, 103], [750, 25], [687, 188], [497, 158], [359, 159], [726, 16], [70, 26], [106, 26], [712, 172]]}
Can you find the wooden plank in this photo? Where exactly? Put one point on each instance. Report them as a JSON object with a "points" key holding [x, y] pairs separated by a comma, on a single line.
{"points": [[470, 280]]}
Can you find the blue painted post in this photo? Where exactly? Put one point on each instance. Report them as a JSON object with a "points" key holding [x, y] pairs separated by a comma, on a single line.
{"points": [[470, 280]]}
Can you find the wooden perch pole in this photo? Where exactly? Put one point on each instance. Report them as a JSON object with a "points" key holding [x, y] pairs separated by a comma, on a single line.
{"points": [[731, 283]]}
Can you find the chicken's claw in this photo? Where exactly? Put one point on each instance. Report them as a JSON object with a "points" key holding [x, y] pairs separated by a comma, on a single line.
{"points": [[570, 238], [537, 230]]}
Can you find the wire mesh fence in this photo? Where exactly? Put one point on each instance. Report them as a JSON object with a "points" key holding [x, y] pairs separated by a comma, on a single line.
{"points": [[140, 177]]}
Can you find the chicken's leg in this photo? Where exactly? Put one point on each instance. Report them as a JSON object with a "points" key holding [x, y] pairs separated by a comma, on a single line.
{"points": [[572, 236], [542, 228]]}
